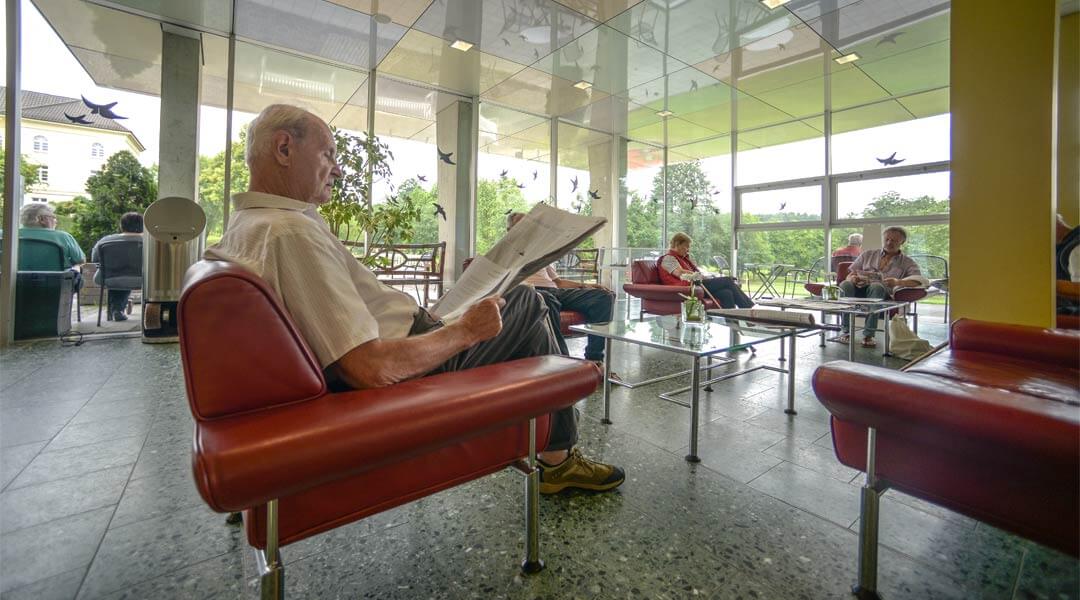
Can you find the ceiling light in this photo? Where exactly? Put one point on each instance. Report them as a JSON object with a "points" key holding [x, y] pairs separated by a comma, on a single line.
{"points": [[664, 113], [583, 85], [461, 45], [774, 3], [847, 58]]}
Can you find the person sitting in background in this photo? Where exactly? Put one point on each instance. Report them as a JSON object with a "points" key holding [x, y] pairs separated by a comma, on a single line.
{"points": [[676, 263], [594, 301], [37, 221], [853, 248], [131, 227], [1067, 265], [877, 274]]}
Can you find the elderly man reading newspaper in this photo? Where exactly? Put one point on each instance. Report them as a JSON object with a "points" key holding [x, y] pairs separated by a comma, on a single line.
{"points": [[366, 334]]}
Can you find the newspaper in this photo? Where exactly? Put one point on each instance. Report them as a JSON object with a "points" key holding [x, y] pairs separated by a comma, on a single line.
{"points": [[779, 317], [545, 234]]}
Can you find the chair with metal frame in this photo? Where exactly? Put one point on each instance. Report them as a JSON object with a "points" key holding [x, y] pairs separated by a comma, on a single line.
{"points": [[271, 441], [722, 265], [936, 269], [797, 275], [45, 255], [120, 267]]}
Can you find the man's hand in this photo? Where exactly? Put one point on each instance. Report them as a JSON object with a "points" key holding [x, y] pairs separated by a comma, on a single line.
{"points": [[483, 319], [597, 286], [891, 282], [860, 281]]}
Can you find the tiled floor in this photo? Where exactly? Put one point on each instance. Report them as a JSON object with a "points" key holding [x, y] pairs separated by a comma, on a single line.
{"points": [[97, 502]]}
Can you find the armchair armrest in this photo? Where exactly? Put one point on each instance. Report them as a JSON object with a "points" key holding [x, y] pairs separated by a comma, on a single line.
{"points": [[941, 412], [1056, 346], [247, 460], [656, 291]]}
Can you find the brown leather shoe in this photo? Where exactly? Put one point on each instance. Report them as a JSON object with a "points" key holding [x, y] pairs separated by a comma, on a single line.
{"points": [[579, 472]]}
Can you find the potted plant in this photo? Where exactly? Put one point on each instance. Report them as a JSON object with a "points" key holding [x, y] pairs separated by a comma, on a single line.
{"points": [[349, 214]]}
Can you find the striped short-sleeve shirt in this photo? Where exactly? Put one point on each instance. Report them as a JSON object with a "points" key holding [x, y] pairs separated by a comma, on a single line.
{"points": [[336, 303]]}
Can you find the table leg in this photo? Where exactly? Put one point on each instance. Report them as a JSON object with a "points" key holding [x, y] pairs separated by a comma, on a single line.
{"points": [[607, 382], [781, 359], [851, 338], [885, 350], [821, 340], [695, 393], [791, 374]]}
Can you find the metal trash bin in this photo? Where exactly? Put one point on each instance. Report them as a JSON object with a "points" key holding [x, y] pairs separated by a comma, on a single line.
{"points": [[172, 242]]}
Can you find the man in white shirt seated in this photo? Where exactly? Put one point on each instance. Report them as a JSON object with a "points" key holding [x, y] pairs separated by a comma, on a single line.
{"points": [[363, 333], [595, 302]]}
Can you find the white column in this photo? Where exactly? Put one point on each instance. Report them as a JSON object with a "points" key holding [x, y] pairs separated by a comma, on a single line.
{"points": [[454, 133], [178, 155]]}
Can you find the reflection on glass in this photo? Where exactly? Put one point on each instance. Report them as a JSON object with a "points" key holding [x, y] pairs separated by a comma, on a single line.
{"points": [[778, 263], [865, 138], [922, 194], [782, 205]]}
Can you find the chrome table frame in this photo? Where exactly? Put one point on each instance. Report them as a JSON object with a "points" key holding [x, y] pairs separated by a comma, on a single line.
{"points": [[695, 370]]}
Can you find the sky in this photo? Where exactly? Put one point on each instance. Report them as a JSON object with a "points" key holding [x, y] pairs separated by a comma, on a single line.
{"points": [[48, 66]]}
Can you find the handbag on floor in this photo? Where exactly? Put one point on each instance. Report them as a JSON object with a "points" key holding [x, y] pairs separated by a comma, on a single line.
{"points": [[903, 342]]}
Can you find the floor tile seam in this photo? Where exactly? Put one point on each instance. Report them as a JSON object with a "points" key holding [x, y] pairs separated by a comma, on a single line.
{"points": [[108, 525], [1019, 574], [49, 441], [85, 567], [158, 575], [10, 490], [108, 438], [82, 511]]}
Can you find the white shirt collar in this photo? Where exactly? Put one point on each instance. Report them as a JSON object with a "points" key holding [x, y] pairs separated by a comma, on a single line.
{"points": [[245, 200]]}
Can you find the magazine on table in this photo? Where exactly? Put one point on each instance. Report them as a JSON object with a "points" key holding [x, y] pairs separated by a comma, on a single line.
{"points": [[777, 317], [539, 239]]}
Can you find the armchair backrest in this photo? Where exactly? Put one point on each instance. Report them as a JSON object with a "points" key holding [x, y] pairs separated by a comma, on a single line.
{"points": [[41, 255], [120, 263], [842, 270], [836, 261], [644, 271], [240, 349]]}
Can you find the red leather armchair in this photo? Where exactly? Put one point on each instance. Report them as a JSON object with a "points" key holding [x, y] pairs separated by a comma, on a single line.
{"points": [[657, 298], [989, 427], [270, 441]]}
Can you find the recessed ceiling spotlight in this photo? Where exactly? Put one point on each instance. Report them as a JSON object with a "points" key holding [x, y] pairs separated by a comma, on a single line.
{"points": [[664, 113], [461, 45], [774, 3], [583, 85], [382, 19], [847, 58]]}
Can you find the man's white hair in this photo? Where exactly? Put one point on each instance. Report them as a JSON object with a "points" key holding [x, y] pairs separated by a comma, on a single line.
{"points": [[273, 118], [854, 239], [31, 213]]}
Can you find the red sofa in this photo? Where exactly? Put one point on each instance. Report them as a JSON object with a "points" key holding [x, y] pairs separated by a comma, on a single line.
{"points": [[270, 441], [989, 427], [657, 298]]}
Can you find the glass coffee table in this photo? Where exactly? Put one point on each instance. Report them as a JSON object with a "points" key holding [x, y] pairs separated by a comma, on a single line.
{"points": [[698, 341]]}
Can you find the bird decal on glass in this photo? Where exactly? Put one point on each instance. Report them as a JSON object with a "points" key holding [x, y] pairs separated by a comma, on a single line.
{"points": [[104, 110], [573, 183], [534, 175], [421, 178], [693, 85], [81, 119], [521, 186], [502, 175], [505, 41], [446, 157], [891, 160], [783, 205], [439, 210], [889, 38], [594, 195]]}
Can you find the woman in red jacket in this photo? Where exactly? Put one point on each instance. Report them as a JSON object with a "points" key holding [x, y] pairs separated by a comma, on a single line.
{"points": [[676, 263]]}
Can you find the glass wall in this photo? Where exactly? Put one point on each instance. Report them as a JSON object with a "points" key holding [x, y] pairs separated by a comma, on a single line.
{"points": [[513, 170], [645, 196], [777, 262]]}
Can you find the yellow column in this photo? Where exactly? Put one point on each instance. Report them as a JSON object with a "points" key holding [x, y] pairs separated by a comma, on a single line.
{"points": [[1068, 180], [1001, 234]]}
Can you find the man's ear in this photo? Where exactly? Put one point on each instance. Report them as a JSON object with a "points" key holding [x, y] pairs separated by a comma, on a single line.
{"points": [[283, 142]]}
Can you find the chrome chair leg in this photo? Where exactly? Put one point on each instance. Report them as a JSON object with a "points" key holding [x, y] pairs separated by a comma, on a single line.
{"points": [[532, 563], [866, 587], [268, 561]]}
